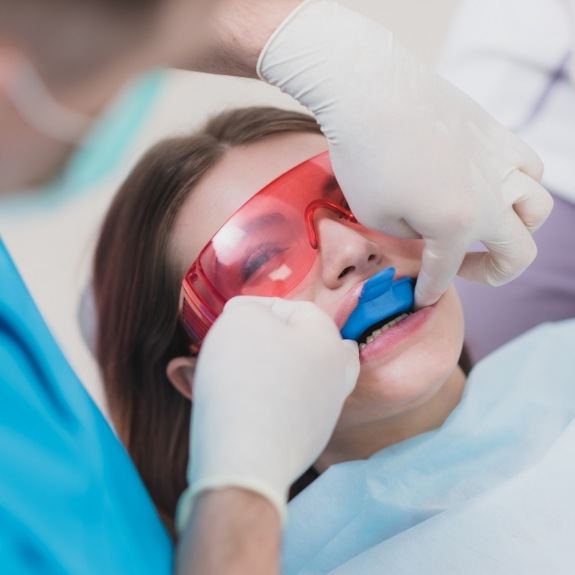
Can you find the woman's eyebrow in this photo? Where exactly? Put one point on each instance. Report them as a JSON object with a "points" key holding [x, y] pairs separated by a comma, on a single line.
{"points": [[264, 221]]}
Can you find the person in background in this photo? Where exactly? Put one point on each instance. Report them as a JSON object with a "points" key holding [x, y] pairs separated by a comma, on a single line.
{"points": [[519, 70]]}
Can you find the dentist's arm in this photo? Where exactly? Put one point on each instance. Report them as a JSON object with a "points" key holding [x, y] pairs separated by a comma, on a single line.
{"points": [[269, 386], [233, 36], [414, 155], [231, 531]]}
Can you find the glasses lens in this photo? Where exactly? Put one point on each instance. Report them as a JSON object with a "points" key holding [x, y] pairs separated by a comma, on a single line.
{"points": [[265, 248]]}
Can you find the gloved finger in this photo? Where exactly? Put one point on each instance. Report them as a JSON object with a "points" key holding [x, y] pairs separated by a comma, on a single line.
{"points": [[274, 308], [290, 312], [509, 253], [398, 228], [439, 265], [526, 159], [351, 351], [307, 315], [247, 301], [531, 201], [282, 308]]}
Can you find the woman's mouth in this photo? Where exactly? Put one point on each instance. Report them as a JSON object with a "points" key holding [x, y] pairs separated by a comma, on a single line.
{"points": [[382, 298], [383, 339], [383, 315], [371, 334]]}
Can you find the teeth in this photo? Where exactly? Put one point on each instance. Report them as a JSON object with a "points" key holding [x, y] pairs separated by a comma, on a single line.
{"points": [[379, 331], [395, 321]]}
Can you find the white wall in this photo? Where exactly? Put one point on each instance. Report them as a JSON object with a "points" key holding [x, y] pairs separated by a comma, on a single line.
{"points": [[54, 249]]}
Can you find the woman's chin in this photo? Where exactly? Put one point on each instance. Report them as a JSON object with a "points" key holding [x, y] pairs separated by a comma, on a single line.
{"points": [[395, 390], [405, 384]]}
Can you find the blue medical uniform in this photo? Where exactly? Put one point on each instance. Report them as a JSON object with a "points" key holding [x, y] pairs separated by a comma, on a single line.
{"points": [[71, 501]]}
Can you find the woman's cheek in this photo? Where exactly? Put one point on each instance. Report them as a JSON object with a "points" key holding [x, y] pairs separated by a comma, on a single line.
{"points": [[311, 289]]}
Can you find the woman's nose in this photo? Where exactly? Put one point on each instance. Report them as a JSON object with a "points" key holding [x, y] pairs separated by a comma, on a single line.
{"points": [[345, 253]]}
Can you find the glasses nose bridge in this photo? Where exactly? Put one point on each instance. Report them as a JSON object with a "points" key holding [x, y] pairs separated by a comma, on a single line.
{"points": [[310, 217]]}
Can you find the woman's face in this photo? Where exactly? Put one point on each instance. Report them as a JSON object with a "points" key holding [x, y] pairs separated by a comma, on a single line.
{"points": [[408, 363]]}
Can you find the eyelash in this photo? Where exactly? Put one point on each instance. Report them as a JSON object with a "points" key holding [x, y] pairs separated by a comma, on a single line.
{"points": [[258, 259]]}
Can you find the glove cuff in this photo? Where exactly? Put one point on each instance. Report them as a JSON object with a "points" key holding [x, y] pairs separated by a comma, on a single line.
{"points": [[277, 31], [188, 497]]}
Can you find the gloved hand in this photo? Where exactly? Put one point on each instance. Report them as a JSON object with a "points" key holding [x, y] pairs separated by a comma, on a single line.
{"points": [[414, 155], [269, 386]]}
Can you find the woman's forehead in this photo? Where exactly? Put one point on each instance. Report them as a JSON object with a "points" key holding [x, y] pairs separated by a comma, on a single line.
{"points": [[241, 173]]}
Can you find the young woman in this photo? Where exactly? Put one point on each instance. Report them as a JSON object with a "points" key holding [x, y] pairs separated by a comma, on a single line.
{"points": [[171, 205], [420, 451]]}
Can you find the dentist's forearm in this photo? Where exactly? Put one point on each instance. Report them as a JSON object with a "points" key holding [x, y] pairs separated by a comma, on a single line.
{"points": [[231, 532], [235, 35]]}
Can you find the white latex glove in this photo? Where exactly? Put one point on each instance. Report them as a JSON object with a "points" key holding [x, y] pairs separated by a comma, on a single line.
{"points": [[414, 155], [270, 383]]}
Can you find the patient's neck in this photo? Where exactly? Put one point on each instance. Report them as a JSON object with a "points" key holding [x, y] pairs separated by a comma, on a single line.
{"points": [[362, 441]]}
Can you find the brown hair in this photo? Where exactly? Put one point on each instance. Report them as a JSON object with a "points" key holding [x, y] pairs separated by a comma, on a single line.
{"points": [[137, 292]]}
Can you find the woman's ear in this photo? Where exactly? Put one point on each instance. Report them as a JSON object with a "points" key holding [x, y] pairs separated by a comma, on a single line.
{"points": [[180, 372]]}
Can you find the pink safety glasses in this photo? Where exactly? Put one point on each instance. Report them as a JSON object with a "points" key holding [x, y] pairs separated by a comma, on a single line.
{"points": [[267, 248]]}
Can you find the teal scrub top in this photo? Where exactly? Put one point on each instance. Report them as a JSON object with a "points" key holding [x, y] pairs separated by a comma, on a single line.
{"points": [[71, 501]]}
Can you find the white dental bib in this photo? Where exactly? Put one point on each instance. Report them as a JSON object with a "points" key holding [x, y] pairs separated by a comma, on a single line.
{"points": [[491, 491]]}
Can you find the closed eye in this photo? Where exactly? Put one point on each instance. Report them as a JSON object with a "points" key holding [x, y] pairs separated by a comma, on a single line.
{"points": [[258, 259]]}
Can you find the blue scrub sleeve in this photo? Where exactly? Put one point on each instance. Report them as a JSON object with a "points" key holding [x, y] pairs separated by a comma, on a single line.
{"points": [[71, 501]]}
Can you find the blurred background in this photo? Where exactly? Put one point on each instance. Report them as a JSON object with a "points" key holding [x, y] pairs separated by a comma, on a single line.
{"points": [[53, 246]]}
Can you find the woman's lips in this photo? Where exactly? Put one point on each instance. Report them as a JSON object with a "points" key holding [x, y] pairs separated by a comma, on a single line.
{"points": [[391, 338], [350, 301], [348, 304]]}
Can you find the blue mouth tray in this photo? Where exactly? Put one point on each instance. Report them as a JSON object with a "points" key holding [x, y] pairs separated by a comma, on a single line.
{"points": [[382, 297]]}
